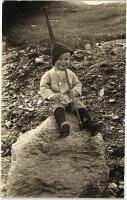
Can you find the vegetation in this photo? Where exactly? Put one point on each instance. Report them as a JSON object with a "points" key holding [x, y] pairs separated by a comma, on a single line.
{"points": [[72, 24]]}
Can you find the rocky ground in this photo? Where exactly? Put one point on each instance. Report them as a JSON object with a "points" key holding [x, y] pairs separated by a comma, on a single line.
{"points": [[101, 69]]}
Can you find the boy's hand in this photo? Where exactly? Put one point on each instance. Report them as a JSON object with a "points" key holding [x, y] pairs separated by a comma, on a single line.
{"points": [[54, 97], [73, 93]]}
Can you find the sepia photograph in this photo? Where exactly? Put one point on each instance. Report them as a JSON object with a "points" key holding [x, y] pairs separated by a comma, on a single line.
{"points": [[63, 99]]}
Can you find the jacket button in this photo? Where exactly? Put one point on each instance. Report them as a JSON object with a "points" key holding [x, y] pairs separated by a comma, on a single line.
{"points": [[60, 83]]}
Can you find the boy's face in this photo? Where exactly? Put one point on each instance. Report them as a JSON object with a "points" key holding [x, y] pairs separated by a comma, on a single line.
{"points": [[63, 61]]}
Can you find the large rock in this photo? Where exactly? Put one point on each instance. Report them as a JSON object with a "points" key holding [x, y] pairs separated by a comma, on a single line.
{"points": [[45, 165]]}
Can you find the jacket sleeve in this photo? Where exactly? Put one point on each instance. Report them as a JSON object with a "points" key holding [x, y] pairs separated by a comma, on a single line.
{"points": [[45, 88], [76, 85]]}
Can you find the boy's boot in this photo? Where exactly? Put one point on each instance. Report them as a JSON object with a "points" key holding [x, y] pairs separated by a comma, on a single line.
{"points": [[60, 119], [87, 122], [94, 127]]}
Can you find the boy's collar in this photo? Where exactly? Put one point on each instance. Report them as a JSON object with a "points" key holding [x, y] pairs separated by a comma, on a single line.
{"points": [[58, 69]]}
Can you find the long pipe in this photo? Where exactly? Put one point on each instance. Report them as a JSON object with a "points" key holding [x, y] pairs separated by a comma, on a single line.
{"points": [[52, 43], [76, 108], [52, 38]]}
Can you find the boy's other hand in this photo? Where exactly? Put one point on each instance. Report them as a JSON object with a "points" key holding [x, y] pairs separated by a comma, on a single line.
{"points": [[54, 97], [73, 93]]}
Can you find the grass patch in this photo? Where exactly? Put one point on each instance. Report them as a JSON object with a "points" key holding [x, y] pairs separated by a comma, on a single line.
{"points": [[75, 28]]}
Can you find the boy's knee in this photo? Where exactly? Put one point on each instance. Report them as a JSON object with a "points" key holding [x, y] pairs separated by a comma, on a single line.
{"points": [[56, 106]]}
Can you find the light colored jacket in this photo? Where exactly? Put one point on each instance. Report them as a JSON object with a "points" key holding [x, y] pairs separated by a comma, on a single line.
{"points": [[52, 82]]}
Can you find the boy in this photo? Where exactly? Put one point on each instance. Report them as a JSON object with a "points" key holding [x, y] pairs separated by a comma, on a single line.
{"points": [[61, 86]]}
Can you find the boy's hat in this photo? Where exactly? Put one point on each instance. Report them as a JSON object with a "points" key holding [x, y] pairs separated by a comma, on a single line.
{"points": [[57, 50]]}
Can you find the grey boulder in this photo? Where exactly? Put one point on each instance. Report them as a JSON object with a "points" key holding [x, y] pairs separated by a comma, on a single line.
{"points": [[45, 165]]}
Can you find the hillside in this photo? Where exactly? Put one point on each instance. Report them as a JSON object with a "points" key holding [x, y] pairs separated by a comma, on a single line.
{"points": [[72, 24]]}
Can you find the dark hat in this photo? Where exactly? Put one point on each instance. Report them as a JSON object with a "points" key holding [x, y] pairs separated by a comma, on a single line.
{"points": [[58, 49]]}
